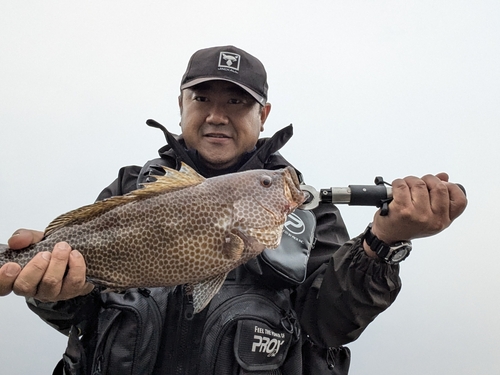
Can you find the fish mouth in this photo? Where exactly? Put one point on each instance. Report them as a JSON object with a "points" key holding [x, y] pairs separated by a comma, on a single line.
{"points": [[293, 193]]}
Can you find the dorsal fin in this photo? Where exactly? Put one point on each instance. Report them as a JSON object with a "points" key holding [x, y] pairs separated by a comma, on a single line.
{"points": [[173, 180]]}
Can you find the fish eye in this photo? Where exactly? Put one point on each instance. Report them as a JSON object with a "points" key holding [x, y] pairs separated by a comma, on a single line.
{"points": [[266, 181]]}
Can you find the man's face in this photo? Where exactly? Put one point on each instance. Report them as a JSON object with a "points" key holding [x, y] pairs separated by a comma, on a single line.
{"points": [[221, 121]]}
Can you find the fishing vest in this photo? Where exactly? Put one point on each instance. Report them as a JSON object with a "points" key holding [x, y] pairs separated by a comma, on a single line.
{"points": [[251, 324]]}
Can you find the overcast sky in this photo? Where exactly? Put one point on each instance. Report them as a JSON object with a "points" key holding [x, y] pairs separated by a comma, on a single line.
{"points": [[390, 88]]}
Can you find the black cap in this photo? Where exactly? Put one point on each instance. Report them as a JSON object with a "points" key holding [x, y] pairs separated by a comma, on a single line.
{"points": [[227, 63]]}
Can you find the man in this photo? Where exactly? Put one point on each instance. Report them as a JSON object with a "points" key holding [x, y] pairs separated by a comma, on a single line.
{"points": [[288, 311]]}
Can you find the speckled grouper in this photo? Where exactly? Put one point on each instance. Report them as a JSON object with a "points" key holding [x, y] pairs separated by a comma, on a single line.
{"points": [[180, 229]]}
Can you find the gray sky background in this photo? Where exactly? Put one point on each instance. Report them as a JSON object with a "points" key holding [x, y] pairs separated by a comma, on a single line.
{"points": [[390, 88]]}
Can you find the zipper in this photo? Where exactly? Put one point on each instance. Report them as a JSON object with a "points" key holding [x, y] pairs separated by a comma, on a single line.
{"points": [[101, 345], [156, 333], [330, 358], [188, 306], [183, 334], [234, 300], [98, 366]]}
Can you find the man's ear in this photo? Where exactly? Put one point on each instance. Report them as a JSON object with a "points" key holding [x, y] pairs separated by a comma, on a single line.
{"points": [[180, 102], [264, 112]]}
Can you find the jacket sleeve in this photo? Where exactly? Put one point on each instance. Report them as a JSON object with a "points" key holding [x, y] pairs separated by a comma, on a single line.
{"points": [[64, 314], [345, 289]]}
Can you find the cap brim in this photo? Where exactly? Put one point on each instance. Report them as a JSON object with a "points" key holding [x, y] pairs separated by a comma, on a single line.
{"points": [[259, 98]]}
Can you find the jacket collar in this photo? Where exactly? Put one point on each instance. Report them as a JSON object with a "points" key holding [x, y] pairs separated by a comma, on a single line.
{"points": [[266, 149]]}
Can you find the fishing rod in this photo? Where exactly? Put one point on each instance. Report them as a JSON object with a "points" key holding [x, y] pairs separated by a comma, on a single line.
{"points": [[378, 195]]}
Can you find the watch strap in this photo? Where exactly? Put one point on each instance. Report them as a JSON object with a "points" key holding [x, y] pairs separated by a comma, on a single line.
{"points": [[377, 246], [384, 251]]}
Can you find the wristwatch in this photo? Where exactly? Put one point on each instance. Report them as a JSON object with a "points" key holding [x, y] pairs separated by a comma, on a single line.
{"points": [[390, 254]]}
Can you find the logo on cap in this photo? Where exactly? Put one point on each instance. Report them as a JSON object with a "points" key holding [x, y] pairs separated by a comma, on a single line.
{"points": [[229, 61]]}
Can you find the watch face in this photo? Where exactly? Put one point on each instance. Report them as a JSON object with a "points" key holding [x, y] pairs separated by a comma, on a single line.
{"points": [[400, 253]]}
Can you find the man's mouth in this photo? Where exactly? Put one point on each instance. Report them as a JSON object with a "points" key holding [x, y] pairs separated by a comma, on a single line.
{"points": [[216, 135]]}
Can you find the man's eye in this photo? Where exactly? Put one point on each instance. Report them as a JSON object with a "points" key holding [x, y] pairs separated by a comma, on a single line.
{"points": [[200, 98], [235, 101]]}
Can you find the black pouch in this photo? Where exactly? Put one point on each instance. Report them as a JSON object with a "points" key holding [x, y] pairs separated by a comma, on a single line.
{"points": [[286, 266], [124, 341], [248, 333], [129, 332]]}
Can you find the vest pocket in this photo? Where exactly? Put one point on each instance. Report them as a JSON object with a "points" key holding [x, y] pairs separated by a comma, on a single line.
{"points": [[247, 334], [128, 334]]}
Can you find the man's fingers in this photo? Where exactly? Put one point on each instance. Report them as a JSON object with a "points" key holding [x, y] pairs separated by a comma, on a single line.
{"points": [[49, 276], [401, 193], [443, 176], [409, 194], [421, 207], [23, 238], [419, 191], [52, 281], [458, 200], [8, 274], [75, 281], [446, 197], [438, 197], [30, 276]]}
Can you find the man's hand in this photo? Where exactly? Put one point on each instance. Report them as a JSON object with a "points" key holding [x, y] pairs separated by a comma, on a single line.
{"points": [[421, 207], [49, 276]]}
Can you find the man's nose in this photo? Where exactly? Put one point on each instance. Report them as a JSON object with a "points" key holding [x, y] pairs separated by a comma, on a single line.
{"points": [[217, 115]]}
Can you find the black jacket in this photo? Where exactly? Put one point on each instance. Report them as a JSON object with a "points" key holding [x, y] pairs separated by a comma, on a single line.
{"points": [[266, 318]]}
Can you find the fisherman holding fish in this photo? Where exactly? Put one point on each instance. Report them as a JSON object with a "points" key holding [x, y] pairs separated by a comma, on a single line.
{"points": [[185, 266]]}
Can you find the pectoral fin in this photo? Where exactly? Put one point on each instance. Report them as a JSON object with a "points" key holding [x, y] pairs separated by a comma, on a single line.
{"points": [[233, 247], [205, 291]]}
